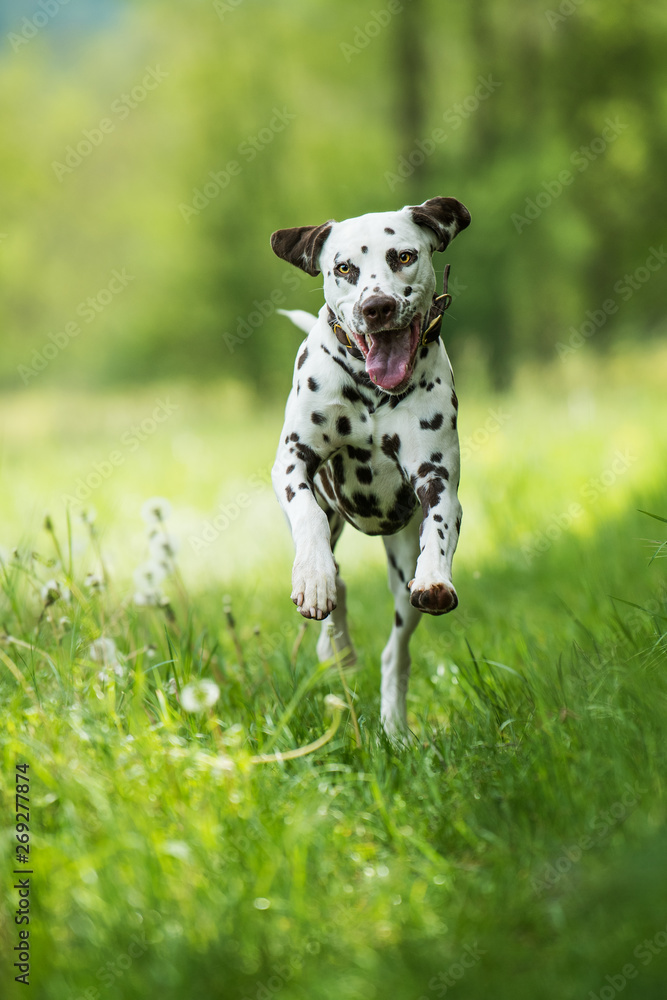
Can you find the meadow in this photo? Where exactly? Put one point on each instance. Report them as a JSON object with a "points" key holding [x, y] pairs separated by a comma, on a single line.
{"points": [[262, 838]]}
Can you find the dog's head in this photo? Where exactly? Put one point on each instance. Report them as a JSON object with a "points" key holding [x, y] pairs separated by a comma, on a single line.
{"points": [[378, 277]]}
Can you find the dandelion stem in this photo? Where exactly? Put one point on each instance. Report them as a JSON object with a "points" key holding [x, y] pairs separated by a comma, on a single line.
{"points": [[231, 625], [297, 643], [348, 699], [278, 757]]}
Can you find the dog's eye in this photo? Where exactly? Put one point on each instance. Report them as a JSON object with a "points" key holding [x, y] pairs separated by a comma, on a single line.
{"points": [[406, 256], [343, 268]]}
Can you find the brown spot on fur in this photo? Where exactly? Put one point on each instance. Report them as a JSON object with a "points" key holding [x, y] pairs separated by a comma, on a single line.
{"points": [[429, 494]]}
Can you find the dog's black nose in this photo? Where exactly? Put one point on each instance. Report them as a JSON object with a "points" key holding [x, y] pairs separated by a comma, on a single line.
{"points": [[379, 311]]}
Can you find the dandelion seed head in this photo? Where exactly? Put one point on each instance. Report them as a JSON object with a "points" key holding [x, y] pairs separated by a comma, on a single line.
{"points": [[199, 695], [103, 650], [147, 598], [53, 591], [110, 672], [163, 547], [156, 511], [149, 575]]}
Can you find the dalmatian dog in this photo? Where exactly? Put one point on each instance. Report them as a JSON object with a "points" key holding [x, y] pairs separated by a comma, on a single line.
{"points": [[370, 432]]}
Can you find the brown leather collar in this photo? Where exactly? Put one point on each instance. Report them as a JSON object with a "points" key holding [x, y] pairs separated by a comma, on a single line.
{"points": [[430, 328]]}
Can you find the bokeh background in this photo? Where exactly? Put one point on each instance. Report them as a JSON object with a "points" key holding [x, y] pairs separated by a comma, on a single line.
{"points": [[516, 91], [149, 150]]}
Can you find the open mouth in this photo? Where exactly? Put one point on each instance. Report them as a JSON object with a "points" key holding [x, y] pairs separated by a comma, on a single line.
{"points": [[390, 354]]}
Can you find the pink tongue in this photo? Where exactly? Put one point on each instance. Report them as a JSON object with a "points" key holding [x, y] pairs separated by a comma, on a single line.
{"points": [[388, 360]]}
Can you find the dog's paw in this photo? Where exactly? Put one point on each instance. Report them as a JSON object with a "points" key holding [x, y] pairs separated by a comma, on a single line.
{"points": [[434, 598], [314, 588]]}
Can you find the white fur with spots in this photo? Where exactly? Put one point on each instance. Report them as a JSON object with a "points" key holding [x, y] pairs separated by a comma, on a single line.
{"points": [[383, 457]]}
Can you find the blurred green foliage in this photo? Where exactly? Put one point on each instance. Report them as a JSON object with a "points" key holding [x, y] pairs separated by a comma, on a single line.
{"points": [[321, 108]]}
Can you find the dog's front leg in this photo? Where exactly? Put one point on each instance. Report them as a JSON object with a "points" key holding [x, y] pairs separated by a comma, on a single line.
{"points": [[314, 571], [435, 482]]}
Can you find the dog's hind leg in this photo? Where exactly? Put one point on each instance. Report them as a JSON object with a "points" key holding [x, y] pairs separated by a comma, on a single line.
{"points": [[402, 554], [334, 637]]}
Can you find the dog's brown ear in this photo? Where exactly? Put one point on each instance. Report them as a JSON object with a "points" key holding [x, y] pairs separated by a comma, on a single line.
{"points": [[445, 216], [302, 245]]}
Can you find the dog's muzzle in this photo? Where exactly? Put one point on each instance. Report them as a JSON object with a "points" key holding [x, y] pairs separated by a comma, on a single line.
{"points": [[389, 354]]}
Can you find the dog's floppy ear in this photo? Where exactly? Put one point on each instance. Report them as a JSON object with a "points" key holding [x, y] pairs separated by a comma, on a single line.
{"points": [[445, 216], [302, 245]]}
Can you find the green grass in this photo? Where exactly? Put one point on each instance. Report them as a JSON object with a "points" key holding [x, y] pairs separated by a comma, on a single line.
{"points": [[515, 849]]}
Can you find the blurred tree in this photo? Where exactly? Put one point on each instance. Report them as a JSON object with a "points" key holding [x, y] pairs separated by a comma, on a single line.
{"points": [[409, 79], [548, 124]]}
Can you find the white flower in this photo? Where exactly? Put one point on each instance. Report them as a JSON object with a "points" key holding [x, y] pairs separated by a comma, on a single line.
{"points": [[170, 686], [53, 591], [88, 515], [107, 674], [199, 695], [104, 651], [149, 575], [147, 598], [156, 510], [163, 547], [94, 581], [147, 579]]}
